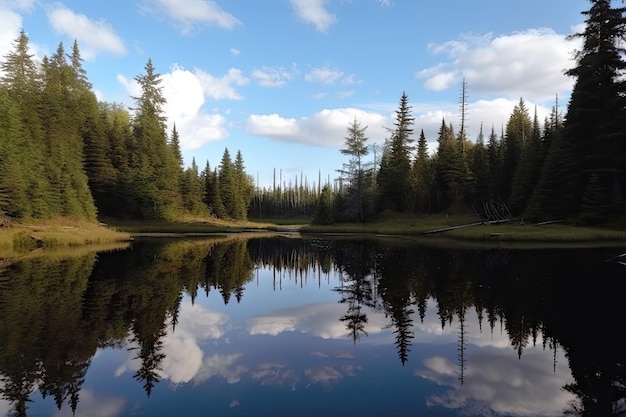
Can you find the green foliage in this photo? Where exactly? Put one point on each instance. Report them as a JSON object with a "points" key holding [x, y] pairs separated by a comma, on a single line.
{"points": [[393, 177], [325, 208]]}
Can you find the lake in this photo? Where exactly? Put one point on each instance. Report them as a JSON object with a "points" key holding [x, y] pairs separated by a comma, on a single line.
{"points": [[313, 326]]}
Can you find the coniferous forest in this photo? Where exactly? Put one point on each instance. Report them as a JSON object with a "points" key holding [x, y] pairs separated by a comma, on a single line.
{"points": [[64, 153]]}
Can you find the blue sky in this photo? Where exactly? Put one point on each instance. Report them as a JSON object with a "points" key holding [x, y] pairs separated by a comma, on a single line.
{"points": [[281, 80]]}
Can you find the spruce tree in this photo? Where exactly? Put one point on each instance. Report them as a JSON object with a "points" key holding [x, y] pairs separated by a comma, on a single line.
{"points": [[353, 172], [154, 165], [593, 140], [421, 177], [393, 178]]}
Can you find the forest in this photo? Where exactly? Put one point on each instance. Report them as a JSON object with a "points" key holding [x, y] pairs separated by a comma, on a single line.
{"points": [[63, 153]]}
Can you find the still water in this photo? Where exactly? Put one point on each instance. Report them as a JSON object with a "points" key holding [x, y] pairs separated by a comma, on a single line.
{"points": [[290, 326]]}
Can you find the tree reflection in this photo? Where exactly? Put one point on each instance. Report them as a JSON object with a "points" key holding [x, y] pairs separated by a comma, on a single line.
{"points": [[57, 312]]}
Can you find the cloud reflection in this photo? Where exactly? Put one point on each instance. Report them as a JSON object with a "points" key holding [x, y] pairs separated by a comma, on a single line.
{"points": [[321, 320], [275, 374], [497, 381], [92, 406]]}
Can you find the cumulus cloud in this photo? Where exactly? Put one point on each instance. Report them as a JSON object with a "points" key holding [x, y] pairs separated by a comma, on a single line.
{"points": [[9, 30], [489, 389], [191, 15], [267, 76], [93, 36], [324, 128], [314, 12], [527, 64], [220, 88]]}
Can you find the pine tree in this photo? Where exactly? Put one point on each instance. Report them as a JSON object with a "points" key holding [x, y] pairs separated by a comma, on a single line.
{"points": [[593, 140], [393, 178], [480, 168], [422, 177], [244, 188], [518, 130], [450, 170], [354, 173], [227, 186], [528, 170], [154, 165]]}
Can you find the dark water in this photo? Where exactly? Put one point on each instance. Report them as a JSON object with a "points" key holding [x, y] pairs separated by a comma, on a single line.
{"points": [[313, 327]]}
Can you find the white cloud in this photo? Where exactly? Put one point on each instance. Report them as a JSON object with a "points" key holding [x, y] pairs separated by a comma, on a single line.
{"points": [[442, 81], [315, 13], [527, 64], [220, 88], [324, 128], [235, 51], [93, 36], [272, 76], [323, 75], [189, 15], [9, 30]]}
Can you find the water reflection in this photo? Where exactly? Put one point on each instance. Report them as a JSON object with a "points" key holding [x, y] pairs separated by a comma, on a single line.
{"points": [[482, 332]]}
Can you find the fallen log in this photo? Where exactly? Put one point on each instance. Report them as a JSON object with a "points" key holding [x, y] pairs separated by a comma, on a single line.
{"points": [[445, 229]]}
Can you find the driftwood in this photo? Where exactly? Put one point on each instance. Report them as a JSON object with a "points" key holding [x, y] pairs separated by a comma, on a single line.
{"points": [[445, 229]]}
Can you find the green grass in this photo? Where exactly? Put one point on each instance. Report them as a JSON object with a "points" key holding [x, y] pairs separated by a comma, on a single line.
{"points": [[20, 239]]}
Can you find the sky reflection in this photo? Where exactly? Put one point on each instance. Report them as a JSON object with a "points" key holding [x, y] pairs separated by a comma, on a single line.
{"points": [[295, 348]]}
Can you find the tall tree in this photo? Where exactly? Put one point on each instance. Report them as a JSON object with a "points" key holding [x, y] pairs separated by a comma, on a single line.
{"points": [[353, 171], [528, 170], [155, 166], [594, 139], [421, 177], [393, 178], [518, 130]]}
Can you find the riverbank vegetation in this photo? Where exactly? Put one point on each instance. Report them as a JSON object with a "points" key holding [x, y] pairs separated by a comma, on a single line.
{"points": [[58, 234], [64, 154]]}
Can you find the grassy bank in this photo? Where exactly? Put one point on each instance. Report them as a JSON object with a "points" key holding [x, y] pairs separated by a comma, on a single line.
{"points": [[19, 239], [508, 232]]}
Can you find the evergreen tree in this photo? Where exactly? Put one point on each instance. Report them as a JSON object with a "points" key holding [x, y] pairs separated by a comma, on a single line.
{"points": [[480, 168], [175, 146], [518, 130], [354, 173], [593, 139], [450, 170], [244, 188], [494, 155], [154, 165], [227, 186], [324, 212], [212, 197], [421, 177], [192, 190], [528, 170], [393, 178]]}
